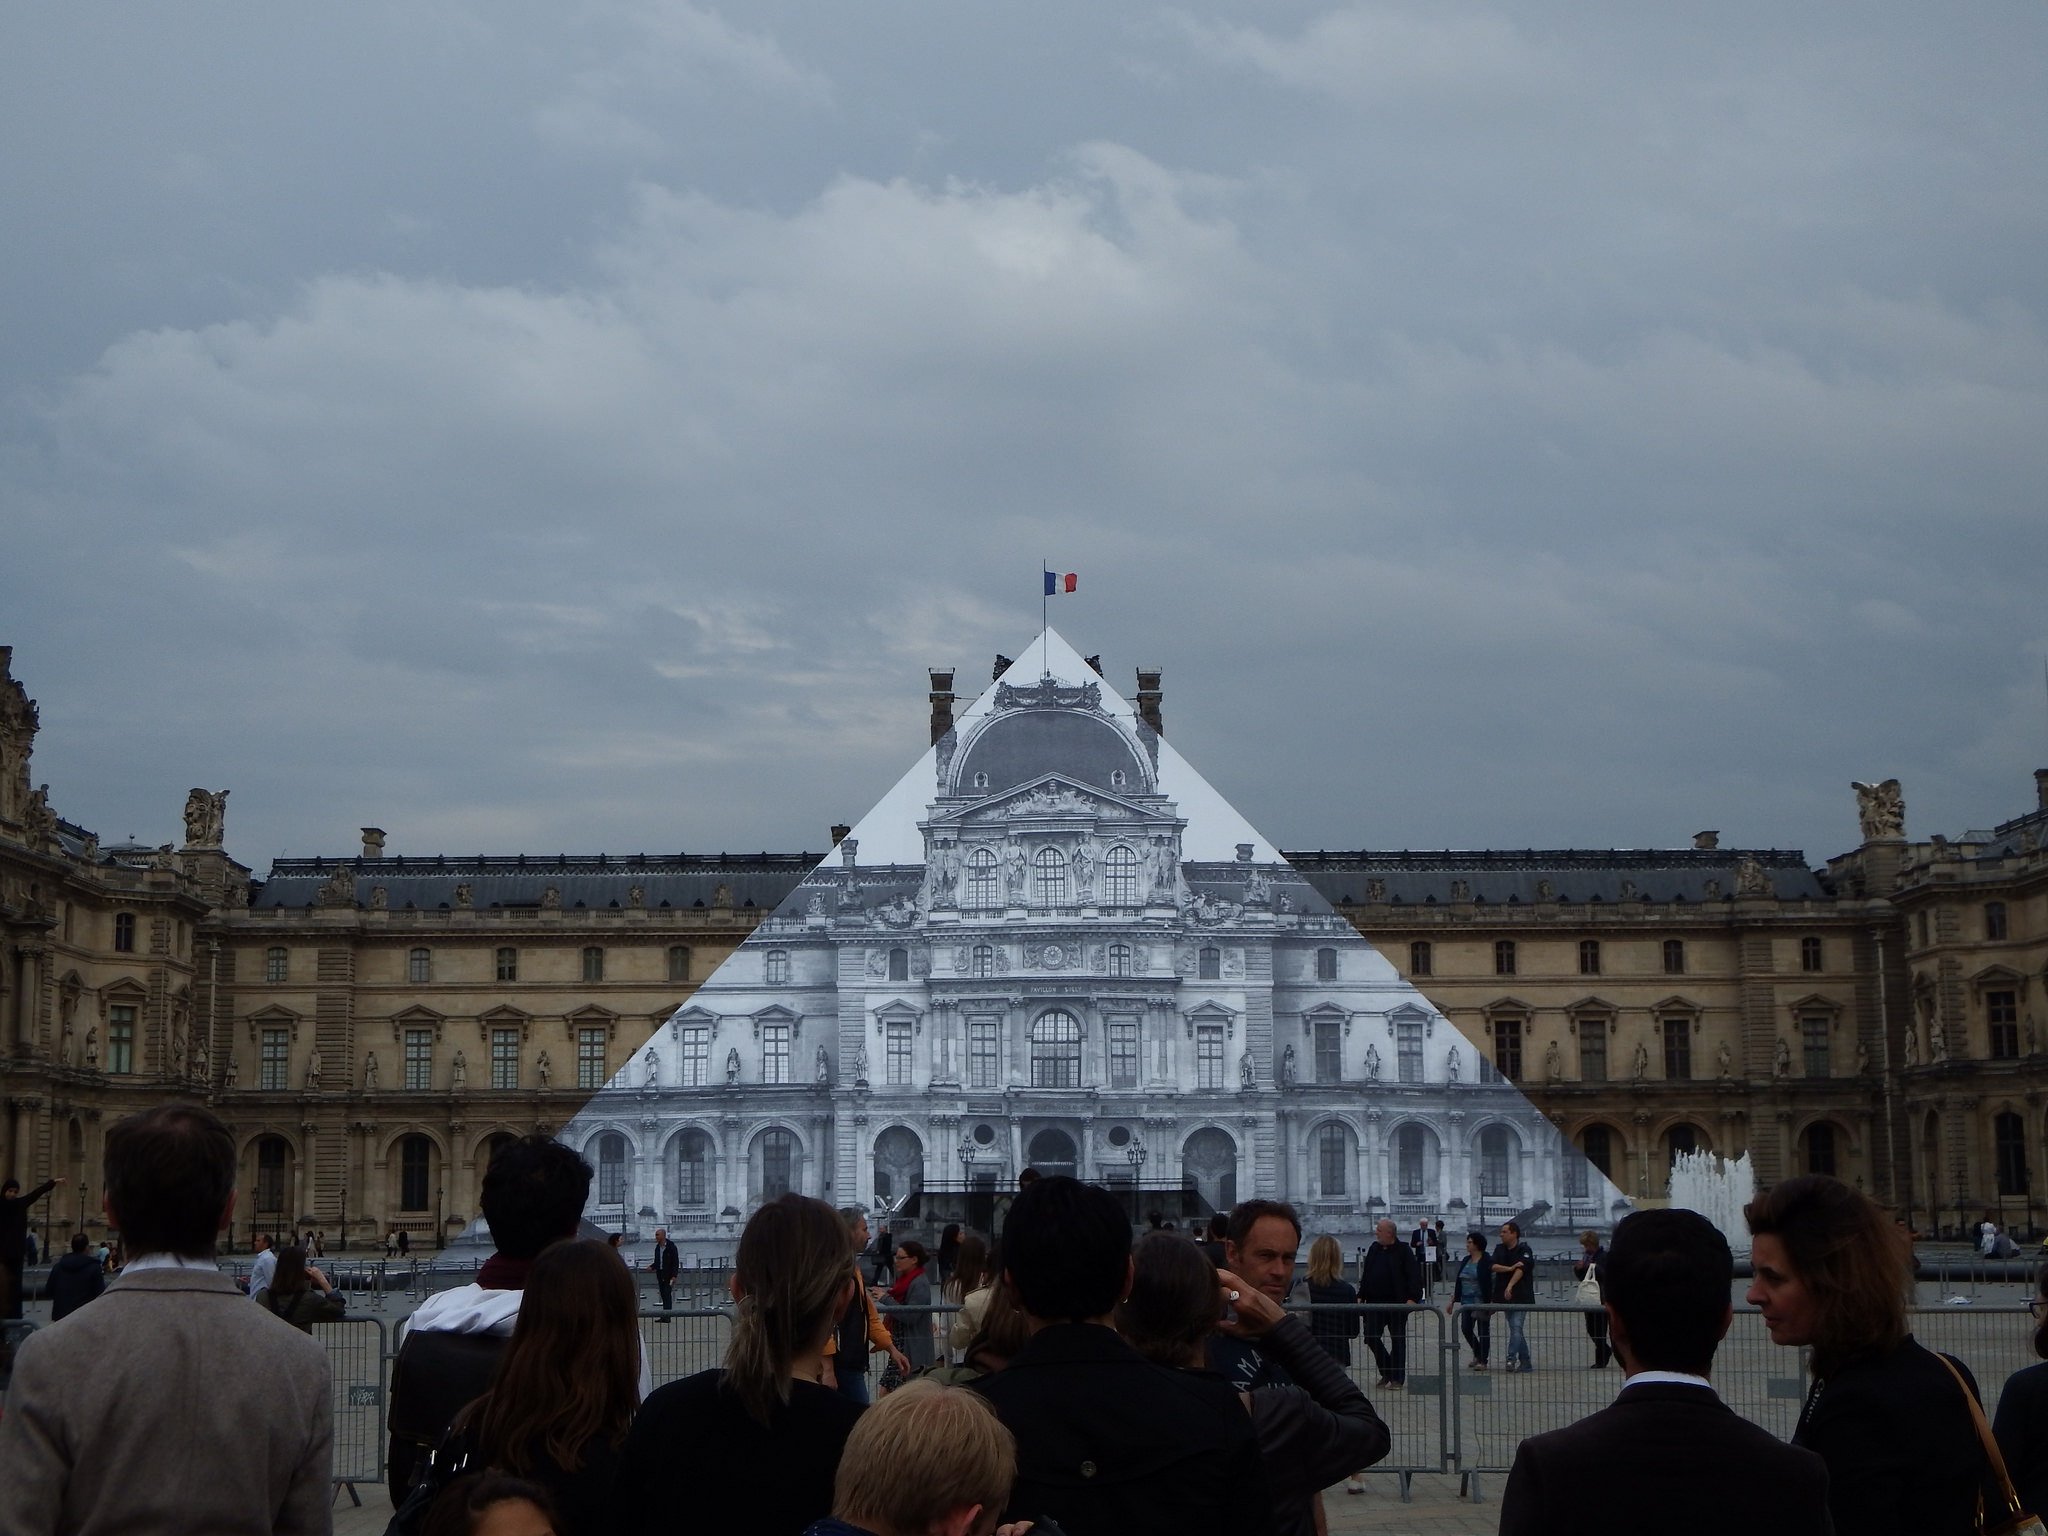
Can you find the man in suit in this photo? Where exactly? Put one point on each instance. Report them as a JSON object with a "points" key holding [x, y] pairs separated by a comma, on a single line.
{"points": [[1668, 1443], [666, 1264], [168, 1405], [1109, 1444], [1388, 1272]]}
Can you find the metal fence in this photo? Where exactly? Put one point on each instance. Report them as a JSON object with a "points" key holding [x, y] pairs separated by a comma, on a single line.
{"points": [[359, 1355]]}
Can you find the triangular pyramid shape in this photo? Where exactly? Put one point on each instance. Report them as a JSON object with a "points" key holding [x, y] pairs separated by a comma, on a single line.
{"points": [[1053, 944]]}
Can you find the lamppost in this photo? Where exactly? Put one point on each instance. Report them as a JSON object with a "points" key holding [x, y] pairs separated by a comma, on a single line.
{"points": [[1136, 1153], [440, 1221]]}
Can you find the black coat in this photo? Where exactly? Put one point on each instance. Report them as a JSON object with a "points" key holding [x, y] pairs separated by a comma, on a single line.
{"points": [[666, 1262], [2022, 1426], [74, 1280], [1334, 1330], [14, 1223], [1679, 1458], [1389, 1272], [1109, 1444]]}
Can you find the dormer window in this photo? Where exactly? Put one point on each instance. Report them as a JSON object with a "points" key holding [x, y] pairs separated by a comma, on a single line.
{"points": [[1118, 778], [981, 781]]}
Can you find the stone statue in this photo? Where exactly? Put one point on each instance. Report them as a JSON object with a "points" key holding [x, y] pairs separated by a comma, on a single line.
{"points": [[38, 821], [233, 1072], [1375, 890], [313, 1071], [177, 1043], [732, 1065], [1258, 890], [543, 1068], [339, 891], [1015, 867], [860, 1065], [816, 907], [652, 1079], [206, 817], [1751, 878], [202, 1061], [551, 899], [1781, 1062], [1641, 1064], [636, 897], [1862, 1059], [1724, 1063], [1246, 1071], [1880, 809], [2027, 1038], [1287, 1067], [722, 896], [465, 896], [1452, 1065], [1937, 1041], [1545, 891], [1283, 903], [1912, 1045], [824, 1066], [458, 1070], [92, 1048], [1553, 1063], [65, 1045], [380, 898], [1372, 1063], [1084, 873], [370, 1072]]}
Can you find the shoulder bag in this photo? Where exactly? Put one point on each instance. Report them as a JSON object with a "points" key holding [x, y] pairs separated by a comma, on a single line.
{"points": [[2012, 1520], [1588, 1291]]}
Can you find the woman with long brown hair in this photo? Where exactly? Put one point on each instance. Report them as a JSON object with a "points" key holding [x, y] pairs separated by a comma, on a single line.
{"points": [[1884, 1413], [299, 1293], [968, 1288], [753, 1445], [563, 1397]]}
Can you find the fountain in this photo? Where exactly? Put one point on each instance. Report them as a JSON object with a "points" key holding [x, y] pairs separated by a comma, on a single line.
{"points": [[1718, 1190]]}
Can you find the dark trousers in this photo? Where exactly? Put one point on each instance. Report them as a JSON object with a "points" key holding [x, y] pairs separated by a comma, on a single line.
{"points": [[1596, 1330], [1476, 1323], [10, 1288], [1393, 1355], [666, 1284], [852, 1377]]}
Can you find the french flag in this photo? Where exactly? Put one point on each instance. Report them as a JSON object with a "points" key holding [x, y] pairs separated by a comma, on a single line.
{"points": [[1055, 582]]}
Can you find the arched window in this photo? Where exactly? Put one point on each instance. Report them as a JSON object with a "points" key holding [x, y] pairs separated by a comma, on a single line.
{"points": [[1419, 958], [2009, 1150], [272, 1157], [419, 965], [277, 964], [899, 1164], [1681, 1139], [1674, 957], [984, 959], [1119, 959], [777, 968], [899, 965], [1052, 1152], [415, 1172], [1049, 867], [982, 881], [611, 1169], [1056, 1050], [1120, 877], [778, 1162], [1333, 1161], [1820, 1147], [693, 1170], [1326, 965]]}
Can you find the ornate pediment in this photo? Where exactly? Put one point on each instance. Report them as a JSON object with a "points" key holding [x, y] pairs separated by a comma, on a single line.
{"points": [[1048, 693]]}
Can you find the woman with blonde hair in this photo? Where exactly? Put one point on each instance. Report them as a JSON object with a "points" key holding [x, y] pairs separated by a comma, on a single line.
{"points": [[755, 1443], [1333, 1330]]}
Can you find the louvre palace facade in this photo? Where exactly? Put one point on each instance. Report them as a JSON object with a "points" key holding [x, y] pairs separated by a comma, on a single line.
{"points": [[1517, 1026]]}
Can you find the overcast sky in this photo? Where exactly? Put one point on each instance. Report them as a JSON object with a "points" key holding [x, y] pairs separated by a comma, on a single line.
{"points": [[542, 427]]}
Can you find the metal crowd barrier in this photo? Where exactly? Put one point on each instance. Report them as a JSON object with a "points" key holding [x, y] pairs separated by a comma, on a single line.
{"points": [[359, 1354]]}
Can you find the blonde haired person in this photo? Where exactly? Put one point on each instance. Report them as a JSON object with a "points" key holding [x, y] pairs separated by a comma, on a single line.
{"points": [[1333, 1330], [929, 1460], [756, 1443]]}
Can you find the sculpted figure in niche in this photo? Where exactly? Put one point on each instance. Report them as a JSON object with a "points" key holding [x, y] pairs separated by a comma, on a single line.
{"points": [[1372, 1063], [824, 1066], [313, 1071], [1287, 1066], [1451, 1066], [1246, 1071], [92, 1048], [732, 1065], [1781, 1063], [722, 897], [202, 1061], [636, 897], [464, 895], [1862, 1059], [458, 1070], [1912, 1046], [1642, 1061], [1937, 1041], [1375, 889], [543, 1068], [860, 1065], [1014, 868], [370, 1072], [65, 1045], [1553, 1063], [1084, 873], [653, 1075], [380, 898], [233, 1073], [1880, 808], [551, 900], [1722, 1060]]}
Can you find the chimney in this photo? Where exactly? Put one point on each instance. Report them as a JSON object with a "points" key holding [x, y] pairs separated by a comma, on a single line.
{"points": [[2041, 787], [1094, 664], [373, 842], [1003, 665], [849, 851], [1148, 699], [1244, 853], [942, 705], [839, 831], [1706, 839]]}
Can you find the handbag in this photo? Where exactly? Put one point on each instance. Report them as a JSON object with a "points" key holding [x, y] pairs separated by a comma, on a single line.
{"points": [[453, 1457], [1588, 1289], [2014, 1520]]}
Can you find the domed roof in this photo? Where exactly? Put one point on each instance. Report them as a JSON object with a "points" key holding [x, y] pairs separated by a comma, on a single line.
{"points": [[1018, 748]]}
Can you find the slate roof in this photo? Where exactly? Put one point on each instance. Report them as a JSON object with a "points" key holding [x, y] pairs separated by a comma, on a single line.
{"points": [[1502, 876], [758, 880]]}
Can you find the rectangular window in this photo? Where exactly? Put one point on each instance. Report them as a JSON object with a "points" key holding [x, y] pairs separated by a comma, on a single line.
{"points": [[1577, 1186], [896, 1062], [1209, 964], [1813, 1035], [611, 1177], [419, 1059], [1119, 959], [419, 966], [505, 1058], [1589, 957], [2009, 1144], [1329, 1047], [1592, 1050], [121, 1038], [691, 1185], [775, 1053], [274, 1071], [1333, 1147], [696, 1065], [1994, 920], [2002, 1013], [1419, 958], [1678, 1049], [1123, 1053], [590, 1057], [508, 963], [1810, 950], [1326, 965], [983, 1070], [679, 962], [593, 963], [1209, 1056], [1503, 957], [1507, 1048], [1674, 957], [1408, 1051], [984, 959], [1493, 1167], [778, 968], [124, 932], [277, 964]]}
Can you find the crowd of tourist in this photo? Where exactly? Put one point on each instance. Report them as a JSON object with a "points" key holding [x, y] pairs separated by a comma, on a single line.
{"points": [[1084, 1385]]}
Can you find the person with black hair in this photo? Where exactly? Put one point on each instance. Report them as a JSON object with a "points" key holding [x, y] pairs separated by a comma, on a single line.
{"points": [[14, 1206], [1259, 1244], [2021, 1425], [1668, 1443], [1109, 1444], [74, 1279]]}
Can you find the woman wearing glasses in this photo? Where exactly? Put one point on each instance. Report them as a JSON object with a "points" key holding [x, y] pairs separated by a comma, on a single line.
{"points": [[2022, 1422]]}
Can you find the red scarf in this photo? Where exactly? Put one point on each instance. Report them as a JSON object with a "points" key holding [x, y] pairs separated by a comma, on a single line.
{"points": [[900, 1291], [499, 1273]]}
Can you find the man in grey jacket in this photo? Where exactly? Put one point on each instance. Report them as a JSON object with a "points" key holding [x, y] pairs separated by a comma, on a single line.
{"points": [[168, 1404]]}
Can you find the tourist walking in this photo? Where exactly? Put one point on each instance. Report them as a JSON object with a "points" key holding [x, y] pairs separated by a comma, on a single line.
{"points": [[1513, 1267], [1389, 1272], [912, 1290], [1471, 1289], [1586, 1270], [756, 1442], [1888, 1416], [861, 1329]]}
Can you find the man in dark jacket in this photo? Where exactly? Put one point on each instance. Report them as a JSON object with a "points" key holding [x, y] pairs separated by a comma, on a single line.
{"points": [[1668, 1443], [74, 1279], [1109, 1444], [666, 1264], [14, 1239], [1389, 1272]]}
